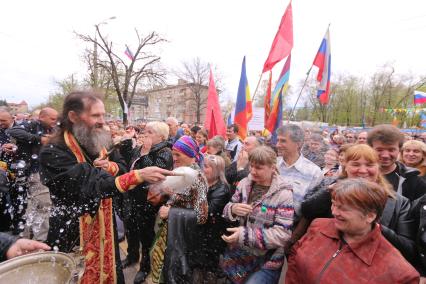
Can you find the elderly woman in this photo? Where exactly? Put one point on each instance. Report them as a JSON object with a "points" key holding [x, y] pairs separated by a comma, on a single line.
{"points": [[218, 195], [263, 206], [396, 222], [413, 154], [140, 220], [181, 215], [350, 247]]}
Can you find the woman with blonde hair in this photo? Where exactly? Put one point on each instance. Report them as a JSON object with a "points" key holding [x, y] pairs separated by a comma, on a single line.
{"points": [[140, 220], [211, 244], [413, 154], [397, 224]]}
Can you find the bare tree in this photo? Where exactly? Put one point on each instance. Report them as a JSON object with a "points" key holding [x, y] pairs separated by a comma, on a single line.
{"points": [[196, 73], [126, 78]]}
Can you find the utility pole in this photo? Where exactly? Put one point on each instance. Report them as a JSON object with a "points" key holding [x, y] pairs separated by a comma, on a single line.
{"points": [[95, 64]]}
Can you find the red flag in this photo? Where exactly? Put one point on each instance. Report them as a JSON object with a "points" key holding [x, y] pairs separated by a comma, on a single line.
{"points": [[214, 121], [212, 128], [283, 41], [267, 103]]}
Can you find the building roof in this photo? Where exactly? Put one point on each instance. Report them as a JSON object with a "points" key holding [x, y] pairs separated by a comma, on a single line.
{"points": [[23, 102]]}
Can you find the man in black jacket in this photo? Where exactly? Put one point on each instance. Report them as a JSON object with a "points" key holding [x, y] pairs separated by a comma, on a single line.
{"points": [[387, 140], [29, 138], [7, 158]]}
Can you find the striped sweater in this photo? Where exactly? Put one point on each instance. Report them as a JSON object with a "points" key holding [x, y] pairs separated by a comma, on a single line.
{"points": [[269, 226]]}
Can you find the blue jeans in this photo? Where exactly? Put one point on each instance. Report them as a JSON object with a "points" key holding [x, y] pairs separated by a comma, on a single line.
{"points": [[264, 276]]}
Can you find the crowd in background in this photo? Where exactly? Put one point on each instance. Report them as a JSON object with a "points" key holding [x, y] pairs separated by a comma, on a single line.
{"points": [[307, 206]]}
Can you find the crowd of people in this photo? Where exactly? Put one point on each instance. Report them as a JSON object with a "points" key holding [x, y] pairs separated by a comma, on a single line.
{"points": [[313, 207]]}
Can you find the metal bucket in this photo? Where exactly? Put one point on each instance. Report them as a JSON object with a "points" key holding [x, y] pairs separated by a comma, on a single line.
{"points": [[41, 267]]}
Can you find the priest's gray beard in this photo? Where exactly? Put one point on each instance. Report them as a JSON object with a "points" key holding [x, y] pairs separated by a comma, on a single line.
{"points": [[92, 139]]}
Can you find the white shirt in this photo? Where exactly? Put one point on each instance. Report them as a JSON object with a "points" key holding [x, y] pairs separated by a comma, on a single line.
{"points": [[303, 175], [230, 147]]}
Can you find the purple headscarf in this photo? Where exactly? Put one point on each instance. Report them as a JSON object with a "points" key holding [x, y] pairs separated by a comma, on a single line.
{"points": [[189, 147]]}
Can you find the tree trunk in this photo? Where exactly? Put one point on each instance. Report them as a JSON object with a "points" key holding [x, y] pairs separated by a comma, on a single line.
{"points": [[125, 121]]}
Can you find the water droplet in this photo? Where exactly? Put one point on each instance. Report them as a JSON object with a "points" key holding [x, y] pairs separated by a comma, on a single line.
{"points": [[61, 230], [55, 249], [34, 156]]}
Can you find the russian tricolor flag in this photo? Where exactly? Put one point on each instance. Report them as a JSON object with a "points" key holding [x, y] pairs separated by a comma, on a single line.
{"points": [[129, 53], [419, 97], [323, 62]]}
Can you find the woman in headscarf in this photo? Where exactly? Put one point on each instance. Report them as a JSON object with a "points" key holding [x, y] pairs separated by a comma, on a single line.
{"points": [[180, 215]]}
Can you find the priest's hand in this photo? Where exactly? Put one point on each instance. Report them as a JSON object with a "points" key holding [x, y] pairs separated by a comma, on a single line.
{"points": [[154, 174], [101, 163]]}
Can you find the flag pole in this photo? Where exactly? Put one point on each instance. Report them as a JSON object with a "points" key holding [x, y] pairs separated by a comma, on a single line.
{"points": [[300, 93], [257, 86]]}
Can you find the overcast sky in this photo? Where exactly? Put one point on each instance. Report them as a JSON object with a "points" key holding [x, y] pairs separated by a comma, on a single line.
{"points": [[38, 45]]}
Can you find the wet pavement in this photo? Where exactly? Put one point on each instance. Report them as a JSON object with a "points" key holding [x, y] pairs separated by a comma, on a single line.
{"points": [[129, 272]]}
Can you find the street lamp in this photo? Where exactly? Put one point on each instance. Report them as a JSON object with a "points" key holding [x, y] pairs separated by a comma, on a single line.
{"points": [[95, 52]]}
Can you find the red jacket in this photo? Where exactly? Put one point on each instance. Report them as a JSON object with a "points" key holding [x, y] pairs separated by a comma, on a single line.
{"points": [[321, 257]]}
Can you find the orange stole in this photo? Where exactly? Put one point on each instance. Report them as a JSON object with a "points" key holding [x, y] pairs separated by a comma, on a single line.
{"points": [[97, 233]]}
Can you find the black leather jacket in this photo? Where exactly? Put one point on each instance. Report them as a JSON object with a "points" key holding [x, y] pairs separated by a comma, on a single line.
{"points": [[418, 211], [28, 139], [398, 226], [411, 185], [182, 242], [160, 156], [210, 233]]}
